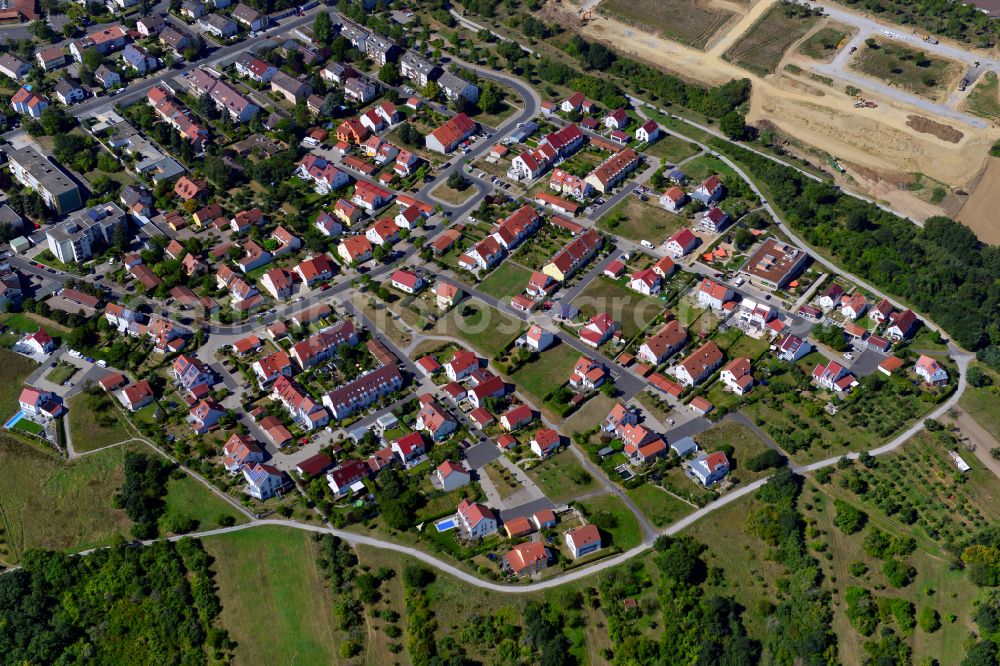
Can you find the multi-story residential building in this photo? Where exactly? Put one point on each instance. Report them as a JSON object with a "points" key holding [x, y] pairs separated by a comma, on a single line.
{"points": [[75, 239]]}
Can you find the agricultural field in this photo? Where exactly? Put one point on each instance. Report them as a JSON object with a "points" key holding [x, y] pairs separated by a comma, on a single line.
{"points": [[984, 100], [548, 371], [638, 220], [94, 422], [690, 23], [507, 280], [73, 497], [562, 478], [764, 45], [271, 572], [908, 68], [822, 44], [632, 310]]}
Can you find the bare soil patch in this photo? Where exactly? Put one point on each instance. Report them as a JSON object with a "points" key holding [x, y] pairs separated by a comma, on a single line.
{"points": [[980, 212], [692, 23], [928, 126]]}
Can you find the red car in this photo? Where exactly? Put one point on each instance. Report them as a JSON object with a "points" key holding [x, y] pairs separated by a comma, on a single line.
{"points": [[324, 287]]}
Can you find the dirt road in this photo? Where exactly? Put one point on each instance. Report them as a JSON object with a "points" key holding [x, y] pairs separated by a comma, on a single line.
{"points": [[983, 440]]}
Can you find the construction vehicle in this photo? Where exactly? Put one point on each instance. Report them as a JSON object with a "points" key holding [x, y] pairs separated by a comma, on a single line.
{"points": [[924, 36], [843, 42], [834, 164]]}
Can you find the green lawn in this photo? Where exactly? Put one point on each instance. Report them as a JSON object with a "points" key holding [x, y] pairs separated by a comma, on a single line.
{"points": [[506, 281], [671, 149], [745, 442], [14, 368], [561, 477], [984, 100], [94, 422], [451, 195], [187, 496], [548, 371], [983, 403], [906, 67], [30, 427], [660, 507], [639, 220], [631, 309], [486, 329], [270, 574], [623, 527], [47, 502], [822, 44], [61, 373]]}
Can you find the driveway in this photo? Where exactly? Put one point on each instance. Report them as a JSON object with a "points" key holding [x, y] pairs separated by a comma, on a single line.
{"points": [[526, 509]]}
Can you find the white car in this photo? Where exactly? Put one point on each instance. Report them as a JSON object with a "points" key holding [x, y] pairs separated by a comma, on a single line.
{"points": [[849, 356], [645, 243], [102, 363]]}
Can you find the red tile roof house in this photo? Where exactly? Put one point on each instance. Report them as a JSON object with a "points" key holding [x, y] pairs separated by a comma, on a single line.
{"points": [[476, 520], [275, 431], [518, 527], [931, 371], [112, 381], [526, 559], [315, 465], [410, 449], [271, 367], [481, 417], [516, 418], [136, 396], [583, 540], [241, 450], [452, 476], [709, 468], [681, 243], [699, 365], [363, 391], [669, 340], [205, 416], [545, 442], [315, 269], [598, 330], [428, 365], [407, 281], [304, 410], [346, 475], [644, 453], [447, 137], [834, 377], [461, 365], [588, 374], [37, 403], [506, 442], [491, 388], [436, 421], [736, 376], [544, 519], [279, 283], [323, 345]]}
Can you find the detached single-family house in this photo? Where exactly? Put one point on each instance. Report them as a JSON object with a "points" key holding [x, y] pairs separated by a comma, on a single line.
{"points": [[710, 468], [931, 371], [545, 442], [452, 475], [477, 520], [583, 540]]}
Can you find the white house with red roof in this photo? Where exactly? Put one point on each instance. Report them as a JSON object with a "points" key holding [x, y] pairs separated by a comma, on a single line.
{"points": [[616, 120], [834, 377], [304, 410], [540, 284], [583, 540], [136, 396], [315, 269], [355, 249], [446, 294], [447, 137], [647, 132], [588, 374], [240, 450], [263, 481], [477, 520], [713, 220], [930, 371], [853, 306], [409, 448], [710, 190], [38, 343], [272, 366], [408, 218], [572, 103], [545, 442], [736, 376], [452, 475], [369, 196], [538, 339], [681, 243], [436, 421], [37, 403], [619, 416], [710, 468], [673, 199], [407, 281], [666, 342], [699, 364], [881, 311], [902, 325], [343, 478], [791, 348], [205, 415], [493, 387], [516, 417], [713, 294], [646, 281], [461, 365], [598, 330], [279, 283]]}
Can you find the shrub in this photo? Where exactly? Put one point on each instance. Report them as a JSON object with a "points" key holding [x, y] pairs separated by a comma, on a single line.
{"points": [[899, 574], [929, 620]]}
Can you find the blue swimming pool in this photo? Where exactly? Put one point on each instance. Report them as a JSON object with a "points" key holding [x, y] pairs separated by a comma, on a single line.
{"points": [[14, 419], [445, 525]]}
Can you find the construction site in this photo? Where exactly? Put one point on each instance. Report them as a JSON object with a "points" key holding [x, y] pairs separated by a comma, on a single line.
{"points": [[890, 107]]}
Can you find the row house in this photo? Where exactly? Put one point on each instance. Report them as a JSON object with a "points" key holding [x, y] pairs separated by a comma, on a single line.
{"points": [[613, 170], [513, 230], [272, 366], [323, 345], [666, 342], [699, 365], [363, 391], [303, 409], [574, 256]]}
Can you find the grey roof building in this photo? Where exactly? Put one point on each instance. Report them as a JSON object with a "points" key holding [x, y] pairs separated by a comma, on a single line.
{"points": [[33, 170]]}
